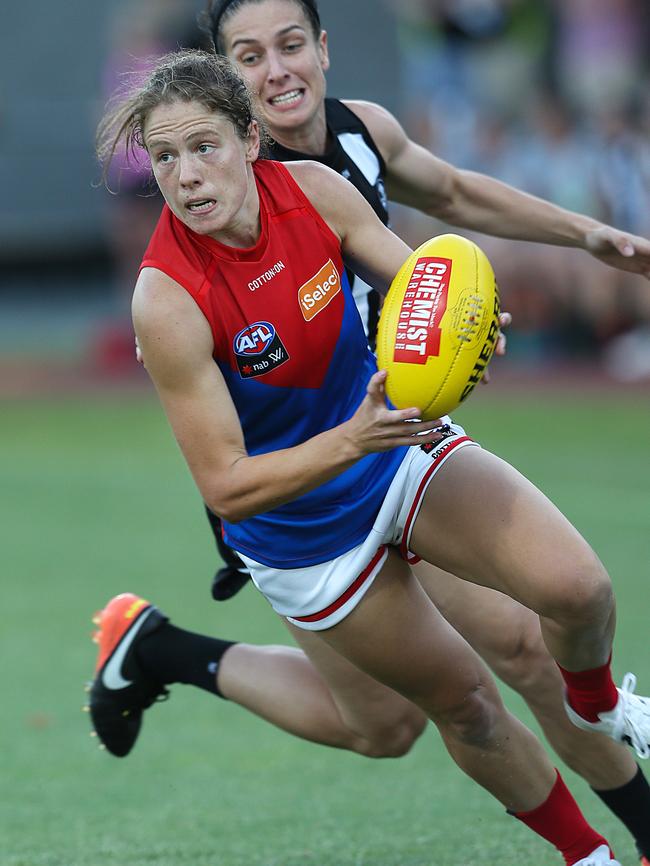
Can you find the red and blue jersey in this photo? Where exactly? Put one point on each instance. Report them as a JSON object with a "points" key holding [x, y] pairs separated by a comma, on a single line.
{"points": [[291, 346]]}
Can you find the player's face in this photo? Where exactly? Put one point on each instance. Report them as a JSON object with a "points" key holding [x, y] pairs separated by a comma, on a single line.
{"points": [[204, 170], [273, 44]]}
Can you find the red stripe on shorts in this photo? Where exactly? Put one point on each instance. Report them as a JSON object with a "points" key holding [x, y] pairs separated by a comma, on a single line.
{"points": [[405, 553], [349, 592]]}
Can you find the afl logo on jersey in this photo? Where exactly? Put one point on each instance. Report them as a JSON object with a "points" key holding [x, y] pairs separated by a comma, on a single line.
{"points": [[254, 339], [258, 350]]}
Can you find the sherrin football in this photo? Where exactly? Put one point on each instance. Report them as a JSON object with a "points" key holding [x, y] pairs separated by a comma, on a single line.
{"points": [[439, 326]]}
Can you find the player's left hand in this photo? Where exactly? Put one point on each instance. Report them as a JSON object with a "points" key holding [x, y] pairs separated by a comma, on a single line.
{"points": [[505, 319], [619, 249]]}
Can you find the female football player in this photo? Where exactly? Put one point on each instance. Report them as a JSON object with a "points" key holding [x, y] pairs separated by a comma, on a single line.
{"points": [[324, 490], [282, 51]]}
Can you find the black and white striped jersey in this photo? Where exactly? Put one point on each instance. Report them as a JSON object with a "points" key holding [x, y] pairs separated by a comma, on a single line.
{"points": [[354, 155]]}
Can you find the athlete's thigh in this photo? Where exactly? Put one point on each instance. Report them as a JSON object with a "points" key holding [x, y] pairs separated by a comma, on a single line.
{"points": [[483, 521], [495, 625], [364, 704], [396, 636]]}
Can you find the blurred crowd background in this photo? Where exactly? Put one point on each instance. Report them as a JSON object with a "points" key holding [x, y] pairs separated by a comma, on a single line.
{"points": [[552, 96]]}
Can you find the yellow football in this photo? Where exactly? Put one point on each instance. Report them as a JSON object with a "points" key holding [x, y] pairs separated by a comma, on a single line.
{"points": [[439, 326]]}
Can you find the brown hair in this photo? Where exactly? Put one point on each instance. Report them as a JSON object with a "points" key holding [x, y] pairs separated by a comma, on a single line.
{"points": [[189, 76], [218, 12]]}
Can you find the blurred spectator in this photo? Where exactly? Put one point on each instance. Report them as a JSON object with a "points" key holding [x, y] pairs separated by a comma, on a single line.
{"points": [[600, 51], [559, 157], [622, 166], [465, 56], [142, 30], [538, 94]]}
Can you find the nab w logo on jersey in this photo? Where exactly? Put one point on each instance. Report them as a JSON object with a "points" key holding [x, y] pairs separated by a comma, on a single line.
{"points": [[258, 350]]}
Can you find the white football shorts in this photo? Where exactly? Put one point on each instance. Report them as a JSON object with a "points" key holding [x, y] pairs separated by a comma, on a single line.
{"points": [[319, 596]]}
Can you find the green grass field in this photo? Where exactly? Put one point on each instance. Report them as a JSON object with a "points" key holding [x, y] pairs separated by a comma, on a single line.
{"points": [[96, 500]]}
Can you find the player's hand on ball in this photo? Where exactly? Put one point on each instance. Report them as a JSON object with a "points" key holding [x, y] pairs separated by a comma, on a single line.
{"points": [[138, 352], [375, 427], [505, 319], [619, 249]]}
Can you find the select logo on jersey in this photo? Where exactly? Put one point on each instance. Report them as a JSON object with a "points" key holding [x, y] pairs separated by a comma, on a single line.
{"points": [[424, 305], [258, 350], [316, 293]]}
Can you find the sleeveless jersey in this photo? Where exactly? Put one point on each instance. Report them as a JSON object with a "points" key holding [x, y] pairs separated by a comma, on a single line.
{"points": [[353, 154], [291, 347]]}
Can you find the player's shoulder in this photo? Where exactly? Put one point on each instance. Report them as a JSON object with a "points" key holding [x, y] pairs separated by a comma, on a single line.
{"points": [[335, 198], [383, 126], [157, 295], [315, 178], [371, 113], [153, 284], [172, 332]]}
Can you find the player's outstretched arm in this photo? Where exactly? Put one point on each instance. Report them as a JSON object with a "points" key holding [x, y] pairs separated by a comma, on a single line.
{"points": [[177, 349], [417, 178]]}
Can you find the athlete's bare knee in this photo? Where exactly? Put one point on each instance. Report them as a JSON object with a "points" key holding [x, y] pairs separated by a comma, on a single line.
{"points": [[472, 720], [394, 740], [582, 591], [522, 660]]}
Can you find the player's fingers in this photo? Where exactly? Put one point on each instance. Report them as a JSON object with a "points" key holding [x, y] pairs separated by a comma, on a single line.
{"points": [[429, 437], [624, 245], [416, 428], [505, 319], [377, 386], [400, 415], [376, 391]]}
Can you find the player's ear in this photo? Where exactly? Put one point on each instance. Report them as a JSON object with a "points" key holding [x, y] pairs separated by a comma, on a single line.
{"points": [[253, 141], [323, 51]]}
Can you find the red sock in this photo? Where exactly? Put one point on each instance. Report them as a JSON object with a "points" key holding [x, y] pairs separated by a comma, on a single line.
{"points": [[560, 821], [590, 692]]}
